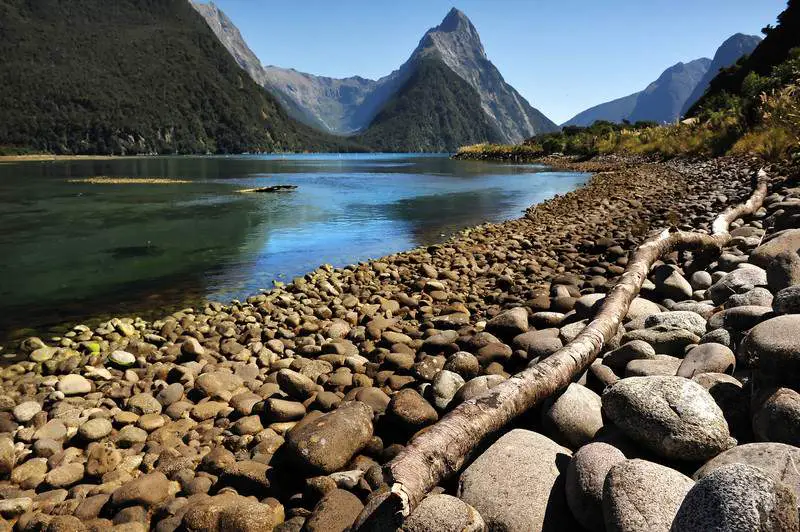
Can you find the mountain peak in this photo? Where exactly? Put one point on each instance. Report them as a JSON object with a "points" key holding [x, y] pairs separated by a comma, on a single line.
{"points": [[454, 21]]}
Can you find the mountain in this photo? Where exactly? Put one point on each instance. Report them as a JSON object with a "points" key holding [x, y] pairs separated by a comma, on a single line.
{"points": [[772, 51], [434, 111], [674, 92], [732, 50], [349, 105], [613, 111], [456, 43], [138, 76], [663, 99]]}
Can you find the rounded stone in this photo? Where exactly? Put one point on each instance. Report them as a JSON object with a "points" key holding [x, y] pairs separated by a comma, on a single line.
{"points": [[443, 513], [737, 498], [518, 484], [586, 475], [24, 412], [122, 359], [787, 301], [707, 358], [640, 495], [444, 387], [574, 417], [74, 384], [95, 429], [776, 416], [409, 411], [672, 416], [634, 350], [773, 346]]}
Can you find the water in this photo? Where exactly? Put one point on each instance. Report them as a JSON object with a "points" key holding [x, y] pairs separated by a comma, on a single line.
{"points": [[73, 251]]}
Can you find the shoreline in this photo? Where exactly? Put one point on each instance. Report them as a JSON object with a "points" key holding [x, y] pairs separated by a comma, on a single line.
{"points": [[599, 167], [299, 395]]}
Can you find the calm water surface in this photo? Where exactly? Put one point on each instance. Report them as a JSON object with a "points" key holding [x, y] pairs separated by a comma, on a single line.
{"points": [[70, 252]]}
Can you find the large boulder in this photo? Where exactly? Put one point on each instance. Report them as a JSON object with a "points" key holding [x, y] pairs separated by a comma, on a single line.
{"points": [[707, 358], [586, 475], [330, 441], [779, 460], [574, 417], [672, 416], [517, 484], [779, 255], [737, 498], [776, 416], [738, 281], [509, 323], [443, 513], [639, 495], [335, 512], [773, 347]]}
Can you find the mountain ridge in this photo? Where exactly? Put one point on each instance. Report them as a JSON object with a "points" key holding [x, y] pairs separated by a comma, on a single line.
{"points": [[348, 105]]}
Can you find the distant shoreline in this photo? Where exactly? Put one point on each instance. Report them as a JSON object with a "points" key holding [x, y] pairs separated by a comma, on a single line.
{"points": [[50, 157]]}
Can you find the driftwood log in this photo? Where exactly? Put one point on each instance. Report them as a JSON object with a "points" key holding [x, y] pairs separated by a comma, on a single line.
{"points": [[441, 450]]}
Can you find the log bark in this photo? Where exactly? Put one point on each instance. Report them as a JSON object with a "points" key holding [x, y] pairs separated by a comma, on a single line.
{"points": [[443, 448]]}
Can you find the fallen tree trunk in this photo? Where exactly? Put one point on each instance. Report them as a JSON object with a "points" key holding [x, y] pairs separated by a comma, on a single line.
{"points": [[443, 448]]}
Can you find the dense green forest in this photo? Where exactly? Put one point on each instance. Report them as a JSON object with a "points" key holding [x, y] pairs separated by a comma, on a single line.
{"points": [[132, 76], [434, 111]]}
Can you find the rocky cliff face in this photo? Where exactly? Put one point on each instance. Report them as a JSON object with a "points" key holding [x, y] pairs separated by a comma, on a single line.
{"points": [[349, 105]]}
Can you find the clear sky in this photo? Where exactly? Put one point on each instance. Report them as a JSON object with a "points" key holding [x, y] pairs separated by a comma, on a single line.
{"points": [[562, 55]]}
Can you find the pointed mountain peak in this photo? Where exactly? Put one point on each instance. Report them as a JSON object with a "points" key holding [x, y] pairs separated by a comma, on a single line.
{"points": [[454, 21]]}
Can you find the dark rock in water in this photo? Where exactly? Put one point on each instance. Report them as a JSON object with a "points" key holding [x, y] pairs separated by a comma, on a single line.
{"points": [[737, 498], [273, 188]]}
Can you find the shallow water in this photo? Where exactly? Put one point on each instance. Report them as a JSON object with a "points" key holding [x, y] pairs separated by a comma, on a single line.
{"points": [[73, 251]]}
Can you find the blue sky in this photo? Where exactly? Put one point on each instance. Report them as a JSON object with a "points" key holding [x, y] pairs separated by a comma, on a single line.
{"points": [[562, 55]]}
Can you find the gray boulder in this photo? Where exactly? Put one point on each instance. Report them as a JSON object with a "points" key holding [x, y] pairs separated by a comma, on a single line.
{"points": [[773, 347], [443, 513], [779, 255], [776, 416], [586, 475], [739, 281], [707, 358], [672, 416], [737, 498], [659, 365], [635, 350], [517, 484], [665, 340], [639, 495], [679, 319], [787, 301], [509, 323], [574, 417]]}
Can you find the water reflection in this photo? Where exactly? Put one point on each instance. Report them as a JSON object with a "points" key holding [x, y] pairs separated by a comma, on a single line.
{"points": [[75, 250]]}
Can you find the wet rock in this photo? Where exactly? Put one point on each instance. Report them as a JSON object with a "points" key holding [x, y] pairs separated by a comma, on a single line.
{"points": [[672, 416], [641, 495], [517, 484], [329, 442], [586, 475], [737, 497]]}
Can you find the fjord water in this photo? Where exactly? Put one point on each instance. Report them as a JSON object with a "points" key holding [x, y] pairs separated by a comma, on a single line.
{"points": [[73, 251]]}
